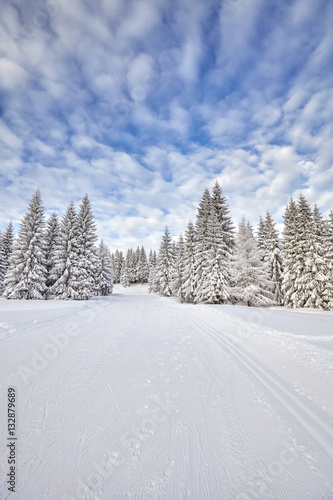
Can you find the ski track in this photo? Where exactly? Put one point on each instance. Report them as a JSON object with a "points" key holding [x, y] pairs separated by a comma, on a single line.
{"points": [[150, 401]]}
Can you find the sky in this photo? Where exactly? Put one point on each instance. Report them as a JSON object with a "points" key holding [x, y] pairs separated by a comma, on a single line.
{"points": [[143, 104]]}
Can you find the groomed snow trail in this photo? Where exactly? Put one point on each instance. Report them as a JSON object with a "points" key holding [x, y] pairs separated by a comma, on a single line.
{"points": [[134, 396]]}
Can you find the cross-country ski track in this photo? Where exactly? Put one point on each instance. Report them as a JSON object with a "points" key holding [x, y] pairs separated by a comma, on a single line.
{"points": [[136, 396]]}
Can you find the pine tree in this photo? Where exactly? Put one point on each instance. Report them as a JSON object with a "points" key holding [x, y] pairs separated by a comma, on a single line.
{"points": [[328, 243], [165, 268], [289, 254], [104, 270], [304, 249], [2, 264], [126, 270], [65, 271], [319, 286], [179, 266], [202, 243], [251, 273], [52, 248], [215, 242], [118, 262], [26, 275], [8, 241], [220, 206], [142, 267], [188, 287], [152, 262], [87, 262], [268, 242]]}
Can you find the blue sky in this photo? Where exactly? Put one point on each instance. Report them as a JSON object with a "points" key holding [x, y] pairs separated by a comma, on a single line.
{"points": [[144, 103]]}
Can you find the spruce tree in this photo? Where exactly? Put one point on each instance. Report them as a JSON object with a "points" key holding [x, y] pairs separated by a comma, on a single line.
{"points": [[165, 267], [142, 267], [126, 270], [52, 248], [304, 251], [2, 264], [118, 262], [179, 266], [188, 287], [268, 242], [26, 275], [328, 243], [8, 241], [319, 286], [87, 262], [202, 242], [152, 262], [65, 270], [104, 270], [289, 254]]}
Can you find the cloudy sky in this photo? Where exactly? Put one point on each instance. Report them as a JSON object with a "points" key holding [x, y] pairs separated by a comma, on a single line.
{"points": [[144, 103]]}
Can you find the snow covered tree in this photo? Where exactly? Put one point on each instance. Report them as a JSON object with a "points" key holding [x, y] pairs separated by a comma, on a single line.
{"points": [[87, 261], [219, 203], [179, 266], [289, 254], [8, 241], [126, 270], [328, 242], [165, 267], [215, 242], [268, 242], [188, 286], [316, 277], [2, 264], [202, 246], [142, 267], [52, 248], [250, 272], [26, 275], [66, 275], [152, 261], [118, 260], [104, 270]]}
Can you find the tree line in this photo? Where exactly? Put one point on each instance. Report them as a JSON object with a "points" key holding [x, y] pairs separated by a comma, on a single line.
{"points": [[55, 260], [213, 263]]}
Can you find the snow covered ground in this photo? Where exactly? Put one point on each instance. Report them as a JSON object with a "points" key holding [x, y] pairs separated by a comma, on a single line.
{"points": [[141, 397]]}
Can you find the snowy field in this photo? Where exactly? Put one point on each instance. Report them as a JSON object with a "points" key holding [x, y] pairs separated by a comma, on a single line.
{"points": [[135, 396]]}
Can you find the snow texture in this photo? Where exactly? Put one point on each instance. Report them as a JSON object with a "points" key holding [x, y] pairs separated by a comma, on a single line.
{"points": [[143, 397]]}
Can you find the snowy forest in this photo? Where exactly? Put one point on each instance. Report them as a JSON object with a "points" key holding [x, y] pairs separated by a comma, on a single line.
{"points": [[211, 263], [57, 260]]}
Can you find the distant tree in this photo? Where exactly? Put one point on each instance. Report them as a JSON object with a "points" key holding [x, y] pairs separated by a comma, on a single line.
{"points": [[165, 267], [268, 242], [316, 278], [87, 251], [178, 250], [26, 275], [52, 248], [142, 270], [215, 243], [188, 287], [104, 270], [126, 270], [66, 273]]}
